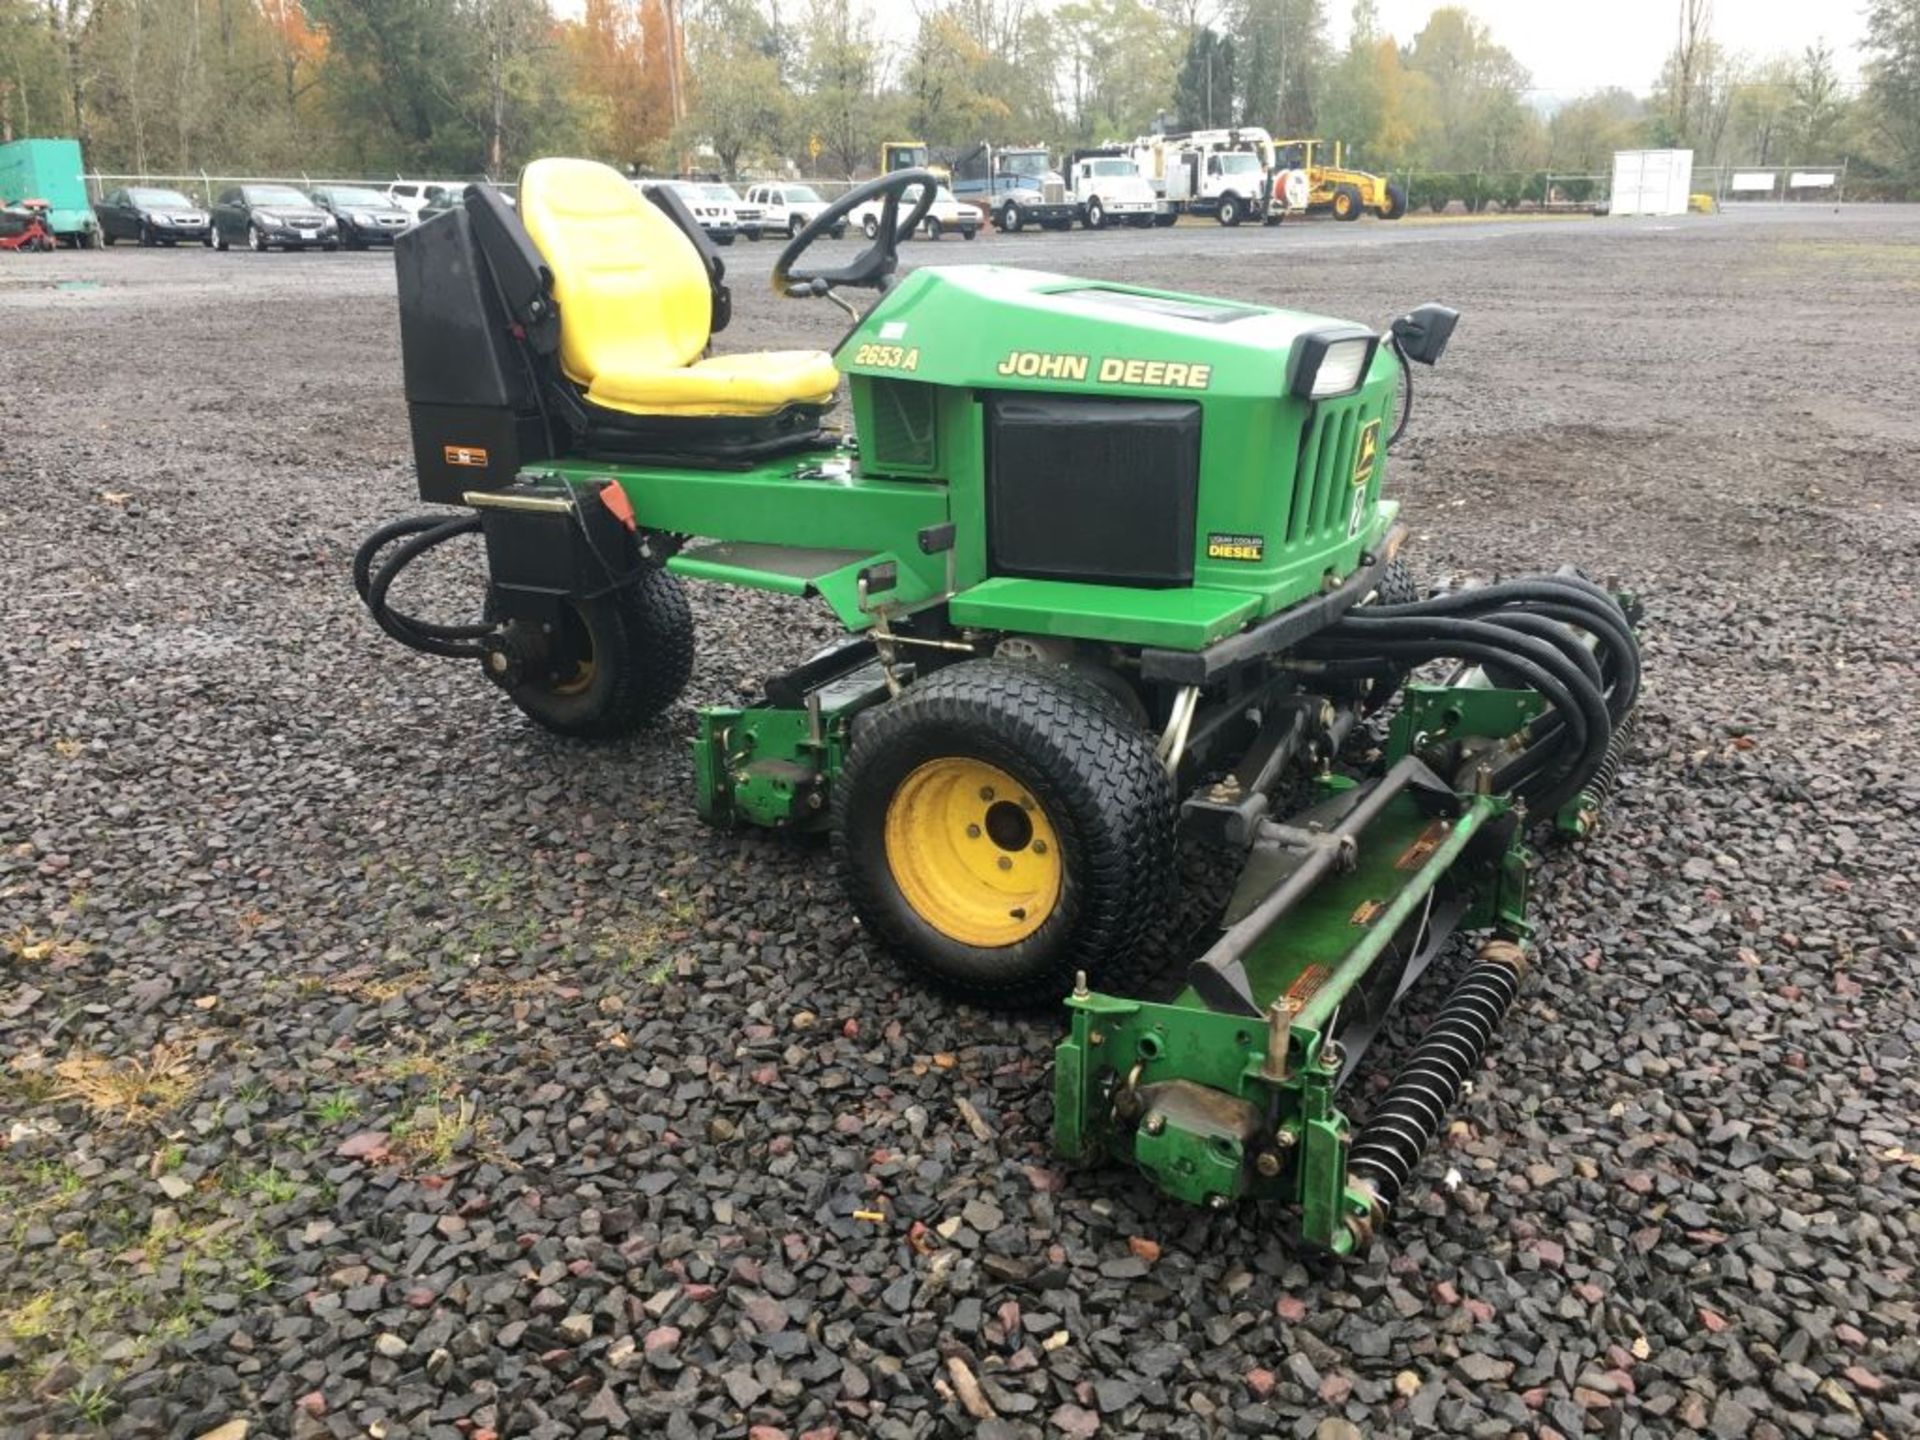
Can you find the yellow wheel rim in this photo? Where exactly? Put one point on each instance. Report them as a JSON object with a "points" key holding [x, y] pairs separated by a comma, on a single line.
{"points": [[973, 852], [582, 677]]}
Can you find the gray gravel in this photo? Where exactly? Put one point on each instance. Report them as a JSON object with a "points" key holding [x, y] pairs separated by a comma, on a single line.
{"points": [[373, 1064]]}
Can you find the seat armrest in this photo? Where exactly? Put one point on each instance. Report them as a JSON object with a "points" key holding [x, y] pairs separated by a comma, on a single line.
{"points": [[526, 284], [675, 209]]}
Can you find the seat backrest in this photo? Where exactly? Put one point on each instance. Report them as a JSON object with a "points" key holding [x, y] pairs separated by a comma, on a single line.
{"points": [[632, 289]]}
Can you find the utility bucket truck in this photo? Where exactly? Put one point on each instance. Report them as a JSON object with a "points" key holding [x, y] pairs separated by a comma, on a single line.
{"points": [[1222, 173]]}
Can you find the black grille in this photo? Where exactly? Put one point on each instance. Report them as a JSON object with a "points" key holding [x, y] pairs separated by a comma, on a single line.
{"points": [[1092, 489]]}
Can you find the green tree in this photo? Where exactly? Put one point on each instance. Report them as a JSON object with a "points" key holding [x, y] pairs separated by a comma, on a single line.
{"points": [[951, 86], [1584, 133], [1281, 47], [1119, 59], [1477, 118], [1893, 82], [840, 65], [739, 105], [33, 100], [1371, 100], [1203, 92], [1817, 107]]}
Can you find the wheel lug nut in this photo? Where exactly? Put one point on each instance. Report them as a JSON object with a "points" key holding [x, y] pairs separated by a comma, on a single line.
{"points": [[1005, 863], [986, 792], [973, 832], [1039, 847]]}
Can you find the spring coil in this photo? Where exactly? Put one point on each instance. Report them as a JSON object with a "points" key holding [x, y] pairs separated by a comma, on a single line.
{"points": [[1415, 1106], [1599, 789]]}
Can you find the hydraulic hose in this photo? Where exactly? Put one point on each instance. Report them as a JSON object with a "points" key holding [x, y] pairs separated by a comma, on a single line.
{"points": [[1579, 703], [1406, 390], [1519, 629], [1515, 776], [419, 534]]}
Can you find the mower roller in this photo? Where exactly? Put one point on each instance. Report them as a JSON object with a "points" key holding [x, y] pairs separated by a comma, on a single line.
{"points": [[1114, 565]]}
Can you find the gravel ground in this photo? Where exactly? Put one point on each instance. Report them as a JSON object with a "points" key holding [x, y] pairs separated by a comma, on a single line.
{"points": [[373, 1064]]}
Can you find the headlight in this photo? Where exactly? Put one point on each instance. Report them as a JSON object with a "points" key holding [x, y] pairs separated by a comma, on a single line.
{"points": [[361, 217], [1331, 362], [266, 217]]}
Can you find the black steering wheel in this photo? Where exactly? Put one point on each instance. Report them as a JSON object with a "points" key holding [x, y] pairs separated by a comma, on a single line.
{"points": [[873, 267]]}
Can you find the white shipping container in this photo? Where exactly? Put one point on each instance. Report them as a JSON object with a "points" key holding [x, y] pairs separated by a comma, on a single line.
{"points": [[1651, 182]]}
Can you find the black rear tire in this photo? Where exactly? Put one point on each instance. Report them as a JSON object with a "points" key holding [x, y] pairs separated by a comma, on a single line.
{"points": [[1099, 790], [640, 643]]}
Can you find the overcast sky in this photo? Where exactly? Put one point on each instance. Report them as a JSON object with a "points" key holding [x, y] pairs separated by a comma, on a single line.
{"points": [[1572, 46]]}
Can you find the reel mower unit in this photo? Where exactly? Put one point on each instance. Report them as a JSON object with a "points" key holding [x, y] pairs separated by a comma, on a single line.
{"points": [[1113, 563]]}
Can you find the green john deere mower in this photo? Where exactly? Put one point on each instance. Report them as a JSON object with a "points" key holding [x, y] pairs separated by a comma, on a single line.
{"points": [[1113, 562]]}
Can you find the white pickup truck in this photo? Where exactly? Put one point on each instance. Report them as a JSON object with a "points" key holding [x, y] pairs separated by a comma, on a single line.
{"points": [[787, 209]]}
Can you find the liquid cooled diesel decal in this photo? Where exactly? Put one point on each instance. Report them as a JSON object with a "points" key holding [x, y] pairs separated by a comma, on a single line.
{"points": [[1112, 370], [1222, 545]]}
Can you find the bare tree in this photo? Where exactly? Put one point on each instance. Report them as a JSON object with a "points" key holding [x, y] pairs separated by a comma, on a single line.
{"points": [[1692, 53]]}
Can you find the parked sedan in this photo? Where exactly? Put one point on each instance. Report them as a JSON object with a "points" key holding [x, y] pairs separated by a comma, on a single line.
{"points": [[365, 217], [943, 217], [151, 216], [263, 216]]}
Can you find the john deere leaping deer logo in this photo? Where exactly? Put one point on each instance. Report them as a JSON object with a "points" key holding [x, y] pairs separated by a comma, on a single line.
{"points": [[1364, 452]]}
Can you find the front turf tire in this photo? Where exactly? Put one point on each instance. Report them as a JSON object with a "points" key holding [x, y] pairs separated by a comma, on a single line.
{"points": [[639, 640], [1083, 844]]}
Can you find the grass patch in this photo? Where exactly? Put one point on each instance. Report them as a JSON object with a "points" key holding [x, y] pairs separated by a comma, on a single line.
{"points": [[339, 1106], [646, 947], [92, 1403], [135, 1090], [269, 1186], [438, 1066], [27, 947], [432, 1132], [31, 1319]]}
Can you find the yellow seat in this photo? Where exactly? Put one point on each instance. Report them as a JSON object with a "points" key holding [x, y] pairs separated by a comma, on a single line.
{"points": [[636, 306]]}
